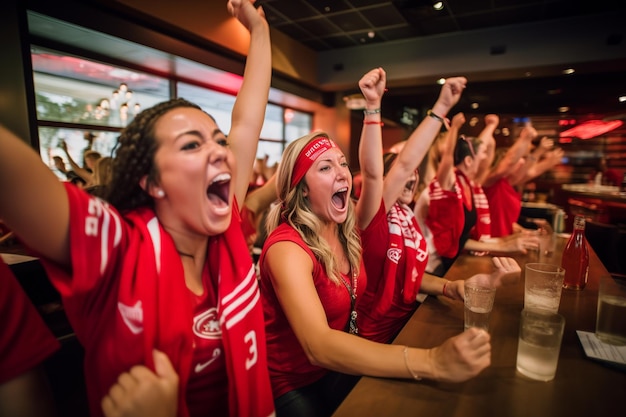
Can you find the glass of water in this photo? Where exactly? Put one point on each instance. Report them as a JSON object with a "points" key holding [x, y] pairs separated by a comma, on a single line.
{"points": [[539, 343]]}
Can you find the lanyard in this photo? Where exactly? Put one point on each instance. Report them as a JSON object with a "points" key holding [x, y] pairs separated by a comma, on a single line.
{"points": [[351, 326]]}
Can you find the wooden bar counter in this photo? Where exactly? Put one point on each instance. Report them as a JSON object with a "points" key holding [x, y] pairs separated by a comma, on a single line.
{"points": [[582, 387]]}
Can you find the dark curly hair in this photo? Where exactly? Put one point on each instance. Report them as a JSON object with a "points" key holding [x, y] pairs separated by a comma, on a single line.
{"points": [[134, 157]]}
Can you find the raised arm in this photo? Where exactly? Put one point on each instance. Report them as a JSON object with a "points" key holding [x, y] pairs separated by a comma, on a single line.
{"points": [[372, 86], [505, 167], [445, 174], [486, 137], [420, 139], [33, 202], [536, 163], [249, 109], [80, 171]]}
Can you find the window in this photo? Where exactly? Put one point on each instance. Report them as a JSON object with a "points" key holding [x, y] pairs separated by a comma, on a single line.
{"points": [[86, 103]]}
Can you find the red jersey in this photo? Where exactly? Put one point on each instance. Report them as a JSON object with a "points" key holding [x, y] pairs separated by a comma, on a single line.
{"points": [[25, 340], [126, 295], [381, 325], [288, 364], [446, 217], [505, 206]]}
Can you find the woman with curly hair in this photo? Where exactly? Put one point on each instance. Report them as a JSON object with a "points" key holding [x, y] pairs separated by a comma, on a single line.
{"points": [[157, 282]]}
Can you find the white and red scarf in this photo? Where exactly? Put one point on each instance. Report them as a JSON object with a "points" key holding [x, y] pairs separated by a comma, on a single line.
{"points": [[126, 295], [240, 312], [446, 218], [403, 238]]}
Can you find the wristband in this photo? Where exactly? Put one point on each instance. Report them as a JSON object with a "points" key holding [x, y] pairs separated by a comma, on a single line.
{"points": [[445, 284], [435, 116], [371, 122], [367, 112]]}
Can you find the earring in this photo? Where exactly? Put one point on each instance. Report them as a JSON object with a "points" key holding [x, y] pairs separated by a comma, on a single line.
{"points": [[160, 193]]}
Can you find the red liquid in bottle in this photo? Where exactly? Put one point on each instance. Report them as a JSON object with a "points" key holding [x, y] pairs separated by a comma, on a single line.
{"points": [[576, 257]]}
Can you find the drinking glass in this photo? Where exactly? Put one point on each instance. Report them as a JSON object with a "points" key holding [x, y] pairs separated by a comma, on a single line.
{"points": [[539, 343]]}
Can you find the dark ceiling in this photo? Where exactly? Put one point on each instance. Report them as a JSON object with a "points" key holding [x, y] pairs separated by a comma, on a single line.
{"points": [[325, 25], [330, 24]]}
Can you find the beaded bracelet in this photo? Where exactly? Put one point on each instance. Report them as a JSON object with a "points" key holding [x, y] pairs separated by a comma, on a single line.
{"points": [[435, 116], [406, 362], [367, 112]]}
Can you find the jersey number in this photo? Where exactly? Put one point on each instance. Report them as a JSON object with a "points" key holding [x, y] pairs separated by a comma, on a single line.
{"points": [[250, 339]]}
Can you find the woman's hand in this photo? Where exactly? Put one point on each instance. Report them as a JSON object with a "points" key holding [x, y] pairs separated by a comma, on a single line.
{"points": [[372, 86], [141, 392], [461, 357], [246, 13], [507, 271], [449, 95]]}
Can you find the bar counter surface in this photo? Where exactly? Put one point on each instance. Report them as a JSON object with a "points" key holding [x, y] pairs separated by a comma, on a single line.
{"points": [[602, 192], [582, 387]]}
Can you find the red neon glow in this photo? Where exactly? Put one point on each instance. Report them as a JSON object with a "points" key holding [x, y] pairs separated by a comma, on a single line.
{"points": [[564, 122], [591, 129]]}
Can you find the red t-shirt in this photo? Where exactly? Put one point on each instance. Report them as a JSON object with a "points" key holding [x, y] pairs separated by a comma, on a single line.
{"points": [[379, 326], [25, 340], [505, 206], [207, 393], [112, 328], [288, 364]]}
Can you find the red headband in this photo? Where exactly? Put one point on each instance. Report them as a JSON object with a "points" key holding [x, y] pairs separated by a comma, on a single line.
{"points": [[308, 155]]}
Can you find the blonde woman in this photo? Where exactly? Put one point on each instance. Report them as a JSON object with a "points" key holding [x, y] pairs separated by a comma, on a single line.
{"points": [[312, 279]]}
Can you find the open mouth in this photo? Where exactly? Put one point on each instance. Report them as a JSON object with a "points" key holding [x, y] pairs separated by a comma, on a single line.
{"points": [[340, 198], [218, 190]]}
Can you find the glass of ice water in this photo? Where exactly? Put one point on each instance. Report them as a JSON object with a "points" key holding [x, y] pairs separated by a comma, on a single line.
{"points": [[479, 299], [543, 284], [539, 343], [611, 317]]}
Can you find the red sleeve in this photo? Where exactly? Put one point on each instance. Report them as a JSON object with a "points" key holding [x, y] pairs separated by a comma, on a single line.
{"points": [[25, 340], [98, 238]]}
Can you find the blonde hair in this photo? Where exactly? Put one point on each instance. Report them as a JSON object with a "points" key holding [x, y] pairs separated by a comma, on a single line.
{"points": [[294, 209], [103, 171]]}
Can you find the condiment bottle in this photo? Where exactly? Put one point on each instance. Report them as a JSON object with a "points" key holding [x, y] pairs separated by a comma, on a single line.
{"points": [[576, 257]]}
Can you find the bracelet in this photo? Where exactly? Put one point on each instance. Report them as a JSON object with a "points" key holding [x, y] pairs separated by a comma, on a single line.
{"points": [[435, 116], [445, 284], [367, 112], [406, 362], [371, 122]]}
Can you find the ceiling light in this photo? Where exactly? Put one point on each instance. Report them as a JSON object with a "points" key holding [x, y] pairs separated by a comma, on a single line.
{"points": [[441, 81], [622, 99], [563, 109], [371, 34], [569, 71], [438, 5], [475, 106]]}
